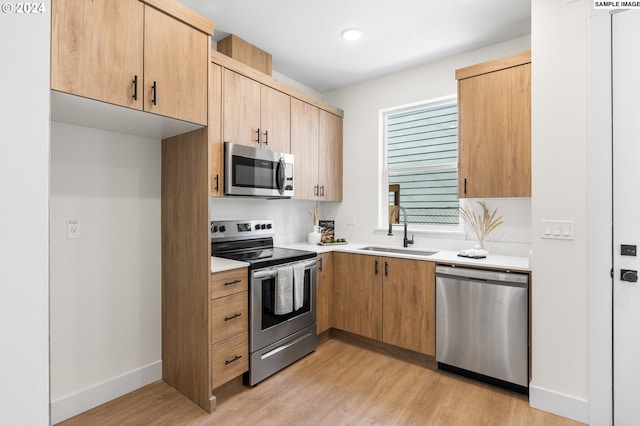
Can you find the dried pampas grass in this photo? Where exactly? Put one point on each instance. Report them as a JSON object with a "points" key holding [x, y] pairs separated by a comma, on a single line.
{"points": [[482, 224]]}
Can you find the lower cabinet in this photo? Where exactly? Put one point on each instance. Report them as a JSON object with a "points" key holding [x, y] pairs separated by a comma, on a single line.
{"points": [[324, 289], [387, 299], [229, 313]]}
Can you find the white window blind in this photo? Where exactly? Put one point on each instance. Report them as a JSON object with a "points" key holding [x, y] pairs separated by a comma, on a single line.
{"points": [[421, 162]]}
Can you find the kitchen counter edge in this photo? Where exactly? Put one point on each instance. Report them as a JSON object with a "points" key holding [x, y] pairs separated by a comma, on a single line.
{"points": [[450, 257], [219, 264]]}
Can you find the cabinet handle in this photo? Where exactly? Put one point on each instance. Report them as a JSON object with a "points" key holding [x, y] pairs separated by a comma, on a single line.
{"points": [[316, 190], [217, 183], [376, 268], [266, 137], [135, 87], [234, 359], [258, 136], [320, 264], [234, 316], [154, 89], [322, 191], [465, 185], [386, 269], [232, 282]]}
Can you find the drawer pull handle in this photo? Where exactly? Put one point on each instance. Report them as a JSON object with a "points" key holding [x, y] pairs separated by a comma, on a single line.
{"points": [[234, 316], [234, 359], [232, 282]]}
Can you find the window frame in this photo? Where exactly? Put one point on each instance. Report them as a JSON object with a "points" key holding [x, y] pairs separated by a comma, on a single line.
{"points": [[383, 181]]}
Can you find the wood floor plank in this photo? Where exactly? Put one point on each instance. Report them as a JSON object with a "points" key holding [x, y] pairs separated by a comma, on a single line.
{"points": [[346, 381]]}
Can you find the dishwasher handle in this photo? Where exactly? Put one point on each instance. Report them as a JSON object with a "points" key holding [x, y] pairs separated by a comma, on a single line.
{"points": [[494, 276]]}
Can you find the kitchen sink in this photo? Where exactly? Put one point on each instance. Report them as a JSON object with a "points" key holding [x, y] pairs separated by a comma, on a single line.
{"points": [[399, 251]]}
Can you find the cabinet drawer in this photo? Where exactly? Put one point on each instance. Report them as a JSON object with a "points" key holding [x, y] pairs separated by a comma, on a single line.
{"points": [[229, 282], [229, 316], [230, 359]]}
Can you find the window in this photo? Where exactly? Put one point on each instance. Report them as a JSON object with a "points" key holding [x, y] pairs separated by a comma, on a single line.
{"points": [[421, 162]]}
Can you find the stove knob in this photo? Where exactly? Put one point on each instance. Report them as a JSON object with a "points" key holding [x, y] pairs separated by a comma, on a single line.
{"points": [[268, 226], [257, 226], [214, 229], [263, 226], [222, 228]]}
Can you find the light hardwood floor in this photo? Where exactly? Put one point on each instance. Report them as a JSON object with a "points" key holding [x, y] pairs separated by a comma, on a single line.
{"points": [[346, 381]]}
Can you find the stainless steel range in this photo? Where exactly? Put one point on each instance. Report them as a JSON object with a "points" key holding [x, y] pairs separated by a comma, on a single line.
{"points": [[282, 294]]}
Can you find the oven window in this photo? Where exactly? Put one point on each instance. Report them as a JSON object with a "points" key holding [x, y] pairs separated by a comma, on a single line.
{"points": [[252, 173], [269, 319]]}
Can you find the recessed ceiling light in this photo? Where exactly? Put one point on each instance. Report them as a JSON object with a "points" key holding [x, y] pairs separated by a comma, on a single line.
{"points": [[352, 34]]}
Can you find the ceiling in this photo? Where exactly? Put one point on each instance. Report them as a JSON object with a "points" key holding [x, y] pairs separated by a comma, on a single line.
{"points": [[303, 36]]}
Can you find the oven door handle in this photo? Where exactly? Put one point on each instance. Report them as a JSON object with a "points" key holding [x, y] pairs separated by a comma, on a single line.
{"points": [[265, 274], [272, 273]]}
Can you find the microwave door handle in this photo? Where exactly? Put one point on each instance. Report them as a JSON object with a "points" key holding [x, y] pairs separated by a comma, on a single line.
{"points": [[280, 175]]}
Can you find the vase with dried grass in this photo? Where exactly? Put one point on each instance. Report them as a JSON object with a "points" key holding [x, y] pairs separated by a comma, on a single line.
{"points": [[481, 223]]}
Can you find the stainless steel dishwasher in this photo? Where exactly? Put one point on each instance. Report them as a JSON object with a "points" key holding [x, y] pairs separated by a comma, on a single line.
{"points": [[482, 325]]}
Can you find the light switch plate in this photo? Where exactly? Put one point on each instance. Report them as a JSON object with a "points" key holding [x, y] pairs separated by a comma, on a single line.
{"points": [[557, 229]]}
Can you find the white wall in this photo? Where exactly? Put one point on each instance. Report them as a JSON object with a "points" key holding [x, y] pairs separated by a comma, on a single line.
{"points": [[560, 171], [24, 217], [105, 287], [361, 104]]}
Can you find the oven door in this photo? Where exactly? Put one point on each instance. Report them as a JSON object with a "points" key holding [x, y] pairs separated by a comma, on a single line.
{"points": [[268, 327], [257, 172]]}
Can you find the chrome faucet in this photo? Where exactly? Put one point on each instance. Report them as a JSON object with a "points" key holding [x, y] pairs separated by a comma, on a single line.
{"points": [[406, 241]]}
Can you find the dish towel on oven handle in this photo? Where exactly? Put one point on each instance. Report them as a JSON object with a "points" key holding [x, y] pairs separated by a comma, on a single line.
{"points": [[284, 291], [298, 285]]}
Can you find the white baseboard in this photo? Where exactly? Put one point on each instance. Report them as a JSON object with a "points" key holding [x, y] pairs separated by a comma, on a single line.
{"points": [[558, 403], [72, 405]]}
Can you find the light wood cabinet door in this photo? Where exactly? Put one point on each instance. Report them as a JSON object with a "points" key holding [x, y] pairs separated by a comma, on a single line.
{"points": [[175, 67], [408, 310], [495, 134], [324, 286], [216, 143], [275, 120], [97, 50], [240, 109], [304, 147], [330, 157], [357, 294]]}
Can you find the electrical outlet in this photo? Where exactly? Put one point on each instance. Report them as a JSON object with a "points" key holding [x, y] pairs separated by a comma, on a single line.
{"points": [[351, 220], [73, 229]]}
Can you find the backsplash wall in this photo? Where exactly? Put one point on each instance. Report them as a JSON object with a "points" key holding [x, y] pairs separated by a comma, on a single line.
{"points": [[292, 219]]}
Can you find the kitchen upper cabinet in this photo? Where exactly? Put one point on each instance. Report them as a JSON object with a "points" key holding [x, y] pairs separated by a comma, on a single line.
{"points": [[330, 157], [494, 104], [357, 294], [97, 50], [316, 144], [387, 299], [130, 54], [324, 289], [175, 68], [255, 114], [275, 119], [305, 119]]}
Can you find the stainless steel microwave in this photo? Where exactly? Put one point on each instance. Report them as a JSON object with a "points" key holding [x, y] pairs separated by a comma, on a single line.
{"points": [[256, 172]]}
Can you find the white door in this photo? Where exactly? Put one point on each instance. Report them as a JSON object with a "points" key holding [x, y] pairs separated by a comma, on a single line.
{"points": [[626, 216]]}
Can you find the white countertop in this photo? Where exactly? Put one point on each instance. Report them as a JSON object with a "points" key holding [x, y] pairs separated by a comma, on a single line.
{"points": [[449, 257], [218, 264]]}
